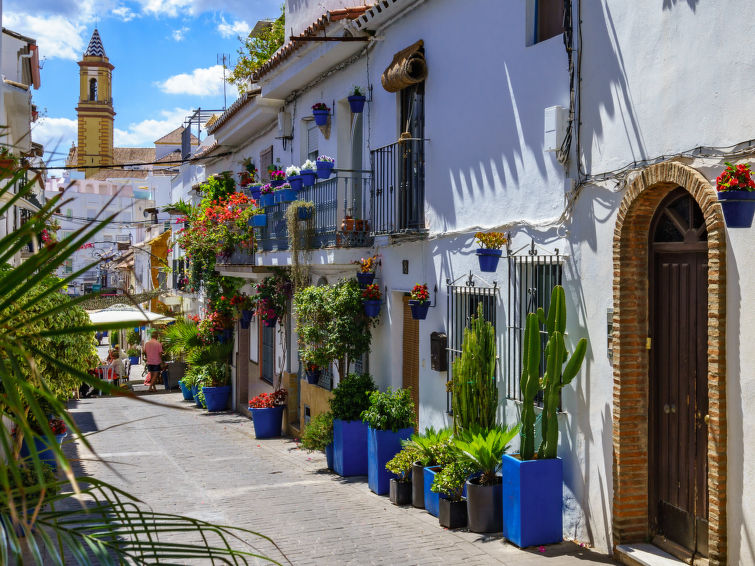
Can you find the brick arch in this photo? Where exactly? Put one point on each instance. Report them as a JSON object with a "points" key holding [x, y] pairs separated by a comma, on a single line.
{"points": [[630, 358]]}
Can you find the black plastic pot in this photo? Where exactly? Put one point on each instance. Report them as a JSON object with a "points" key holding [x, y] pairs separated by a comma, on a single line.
{"points": [[484, 507], [418, 485], [452, 514], [400, 492]]}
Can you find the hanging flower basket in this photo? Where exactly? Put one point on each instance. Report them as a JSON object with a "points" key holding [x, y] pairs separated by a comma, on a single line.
{"points": [[295, 182], [365, 278], [255, 191], [267, 200], [357, 103], [324, 166], [246, 318], [738, 207], [419, 309], [488, 259], [258, 221], [308, 177], [313, 375], [371, 307], [321, 117]]}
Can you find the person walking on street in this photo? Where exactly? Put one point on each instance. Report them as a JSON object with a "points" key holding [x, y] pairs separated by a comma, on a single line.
{"points": [[153, 351]]}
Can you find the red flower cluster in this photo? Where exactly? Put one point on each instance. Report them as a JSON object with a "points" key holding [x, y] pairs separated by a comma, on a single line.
{"points": [[57, 426], [269, 400], [86, 246], [735, 178], [420, 293], [372, 293]]}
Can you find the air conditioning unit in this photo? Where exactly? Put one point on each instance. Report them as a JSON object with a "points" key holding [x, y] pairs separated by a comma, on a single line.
{"points": [[285, 127]]}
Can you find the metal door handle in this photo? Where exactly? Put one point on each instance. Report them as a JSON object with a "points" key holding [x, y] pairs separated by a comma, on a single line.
{"points": [[706, 418], [673, 408], [666, 409]]}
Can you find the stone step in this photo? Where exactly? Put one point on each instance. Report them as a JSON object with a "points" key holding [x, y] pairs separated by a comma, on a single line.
{"points": [[645, 554]]}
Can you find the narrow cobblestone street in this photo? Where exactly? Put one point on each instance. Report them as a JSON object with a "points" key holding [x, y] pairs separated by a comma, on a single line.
{"points": [[210, 466]]}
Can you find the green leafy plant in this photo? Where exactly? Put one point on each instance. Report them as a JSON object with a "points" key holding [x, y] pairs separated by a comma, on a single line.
{"points": [[483, 449], [491, 240], [401, 463], [475, 392], [349, 327], [352, 396], [430, 445], [256, 50], [356, 91], [450, 480], [391, 410], [318, 433], [133, 352], [310, 307]]}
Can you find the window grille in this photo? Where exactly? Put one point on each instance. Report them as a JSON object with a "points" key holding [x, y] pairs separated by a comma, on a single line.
{"points": [[531, 280], [462, 303]]}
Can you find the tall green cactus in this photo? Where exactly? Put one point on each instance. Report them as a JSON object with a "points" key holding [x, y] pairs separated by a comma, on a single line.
{"points": [[475, 392], [557, 375], [529, 384]]}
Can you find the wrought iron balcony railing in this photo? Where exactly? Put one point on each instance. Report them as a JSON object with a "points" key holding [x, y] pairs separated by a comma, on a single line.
{"points": [[397, 198]]}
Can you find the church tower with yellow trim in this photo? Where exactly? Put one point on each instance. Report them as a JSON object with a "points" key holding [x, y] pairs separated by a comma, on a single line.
{"points": [[95, 109]]}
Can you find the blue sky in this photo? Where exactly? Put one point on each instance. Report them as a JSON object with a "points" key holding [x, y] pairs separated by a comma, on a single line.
{"points": [[164, 52]]}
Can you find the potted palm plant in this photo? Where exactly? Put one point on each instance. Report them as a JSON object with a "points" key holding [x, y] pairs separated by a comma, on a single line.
{"points": [[321, 113], [357, 100], [350, 398], [530, 477], [267, 413], [400, 488], [390, 419], [430, 447], [490, 251], [736, 191]]}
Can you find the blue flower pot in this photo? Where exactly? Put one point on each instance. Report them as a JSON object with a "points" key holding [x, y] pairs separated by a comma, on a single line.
{"points": [[349, 448], [365, 279], [382, 445], [419, 309], [304, 213], [188, 396], [308, 177], [357, 103], [313, 377], [432, 499], [324, 169], [287, 195], [258, 220], [216, 398], [44, 452], [195, 394], [371, 307], [246, 318], [488, 259], [321, 117], [295, 182], [278, 182], [532, 501], [133, 360], [267, 200], [738, 207], [268, 423], [329, 455], [255, 191]]}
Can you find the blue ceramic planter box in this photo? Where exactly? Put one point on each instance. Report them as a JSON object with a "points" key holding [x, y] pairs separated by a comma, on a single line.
{"points": [[258, 220], [349, 448], [329, 455], [188, 395], [268, 423], [295, 182], [324, 169], [255, 191], [304, 213], [432, 499], [277, 182], [133, 360], [44, 452], [308, 177], [382, 445], [216, 398], [287, 195], [532, 500], [267, 199], [488, 259]]}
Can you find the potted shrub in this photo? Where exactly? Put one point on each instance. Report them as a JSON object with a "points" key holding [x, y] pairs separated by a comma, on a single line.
{"points": [[400, 488], [308, 171], [390, 419], [430, 447], [216, 389], [371, 298], [449, 484], [490, 252], [325, 166], [357, 100], [483, 449], [533, 483], [293, 177], [419, 302], [267, 198], [277, 177], [267, 413], [318, 435], [321, 113], [367, 267], [133, 355], [736, 191], [349, 400]]}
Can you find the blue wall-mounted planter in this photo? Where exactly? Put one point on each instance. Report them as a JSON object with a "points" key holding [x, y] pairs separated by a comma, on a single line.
{"points": [[365, 279], [356, 103], [324, 169], [308, 177], [44, 452], [738, 207], [349, 448], [329, 455], [258, 221], [532, 501], [295, 182], [246, 318], [321, 117], [268, 423], [267, 199], [432, 499], [382, 445], [216, 398], [255, 191], [371, 307], [488, 259], [277, 182], [419, 309]]}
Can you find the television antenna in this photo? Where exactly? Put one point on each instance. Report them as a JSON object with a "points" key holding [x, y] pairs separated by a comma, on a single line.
{"points": [[224, 59]]}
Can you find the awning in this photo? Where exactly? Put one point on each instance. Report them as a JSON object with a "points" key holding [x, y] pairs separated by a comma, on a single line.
{"points": [[407, 68], [124, 313]]}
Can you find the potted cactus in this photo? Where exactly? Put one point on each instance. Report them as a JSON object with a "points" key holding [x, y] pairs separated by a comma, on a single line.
{"points": [[530, 477]]}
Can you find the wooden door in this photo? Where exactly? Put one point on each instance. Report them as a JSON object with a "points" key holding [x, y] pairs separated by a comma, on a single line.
{"points": [[410, 364], [679, 375]]}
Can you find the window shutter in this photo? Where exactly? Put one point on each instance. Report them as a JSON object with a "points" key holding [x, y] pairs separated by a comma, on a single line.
{"points": [[312, 140]]}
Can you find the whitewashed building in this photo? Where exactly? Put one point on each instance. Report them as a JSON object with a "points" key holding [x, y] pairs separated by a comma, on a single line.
{"points": [[593, 139]]}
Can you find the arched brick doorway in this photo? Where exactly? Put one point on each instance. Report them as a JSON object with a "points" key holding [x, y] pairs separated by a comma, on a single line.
{"points": [[631, 359]]}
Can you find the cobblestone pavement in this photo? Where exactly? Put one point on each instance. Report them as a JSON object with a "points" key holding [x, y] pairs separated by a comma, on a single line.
{"points": [[211, 467]]}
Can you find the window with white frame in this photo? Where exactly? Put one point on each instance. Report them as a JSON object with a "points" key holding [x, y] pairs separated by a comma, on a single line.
{"points": [[313, 138]]}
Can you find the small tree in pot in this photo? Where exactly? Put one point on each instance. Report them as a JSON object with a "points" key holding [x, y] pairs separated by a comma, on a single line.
{"points": [[449, 485], [350, 398]]}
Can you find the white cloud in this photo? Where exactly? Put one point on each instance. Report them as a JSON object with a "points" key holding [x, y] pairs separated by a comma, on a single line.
{"points": [[56, 135], [144, 133], [170, 8], [239, 27], [56, 35], [179, 34], [200, 82], [124, 13]]}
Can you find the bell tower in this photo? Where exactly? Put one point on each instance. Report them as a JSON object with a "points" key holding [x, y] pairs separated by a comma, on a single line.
{"points": [[95, 109]]}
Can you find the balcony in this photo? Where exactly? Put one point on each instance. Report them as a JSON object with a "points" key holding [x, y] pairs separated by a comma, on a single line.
{"points": [[397, 201], [341, 217]]}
